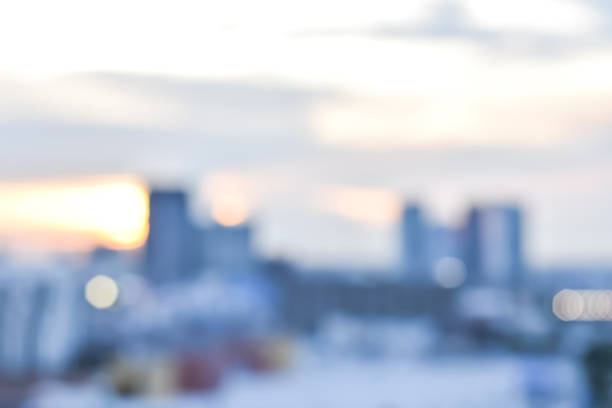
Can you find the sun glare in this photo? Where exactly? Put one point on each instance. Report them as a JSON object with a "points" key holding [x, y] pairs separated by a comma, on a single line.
{"points": [[229, 198], [230, 210], [109, 212]]}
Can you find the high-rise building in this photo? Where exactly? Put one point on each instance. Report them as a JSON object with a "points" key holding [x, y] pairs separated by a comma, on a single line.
{"points": [[167, 248], [413, 244], [442, 242], [227, 248], [40, 321], [493, 245]]}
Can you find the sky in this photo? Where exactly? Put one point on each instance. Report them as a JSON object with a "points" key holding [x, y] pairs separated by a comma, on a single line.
{"points": [[320, 117]]}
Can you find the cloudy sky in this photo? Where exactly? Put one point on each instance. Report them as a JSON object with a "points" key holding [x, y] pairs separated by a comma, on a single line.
{"points": [[325, 115]]}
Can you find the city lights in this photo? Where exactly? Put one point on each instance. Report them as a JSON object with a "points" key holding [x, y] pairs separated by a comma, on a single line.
{"points": [[583, 305], [449, 272], [101, 292]]}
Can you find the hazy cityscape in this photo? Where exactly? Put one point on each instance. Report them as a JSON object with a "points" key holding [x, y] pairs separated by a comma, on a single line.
{"points": [[285, 204], [197, 316]]}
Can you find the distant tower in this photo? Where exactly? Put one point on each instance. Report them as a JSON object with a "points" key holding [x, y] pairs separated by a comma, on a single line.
{"points": [[493, 248], [470, 242], [167, 254], [228, 248], [413, 250]]}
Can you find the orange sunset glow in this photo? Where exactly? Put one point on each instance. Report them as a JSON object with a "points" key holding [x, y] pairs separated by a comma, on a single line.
{"points": [[228, 194], [111, 212], [230, 210]]}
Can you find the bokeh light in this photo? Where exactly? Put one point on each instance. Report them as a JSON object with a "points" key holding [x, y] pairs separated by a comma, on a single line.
{"points": [[449, 272], [584, 305], [101, 292], [230, 198], [230, 210], [568, 305]]}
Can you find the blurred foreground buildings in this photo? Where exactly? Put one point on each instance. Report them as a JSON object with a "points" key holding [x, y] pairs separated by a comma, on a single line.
{"points": [[199, 302]]}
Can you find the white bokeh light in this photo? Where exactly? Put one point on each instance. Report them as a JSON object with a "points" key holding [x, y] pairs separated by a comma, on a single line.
{"points": [[583, 305], [101, 292], [449, 272], [568, 305]]}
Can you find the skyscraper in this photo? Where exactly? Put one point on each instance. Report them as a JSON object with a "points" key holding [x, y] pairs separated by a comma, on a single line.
{"points": [[493, 245], [413, 246], [227, 248], [167, 248]]}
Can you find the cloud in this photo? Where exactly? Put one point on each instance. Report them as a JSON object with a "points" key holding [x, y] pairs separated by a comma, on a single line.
{"points": [[533, 29], [185, 37], [157, 103], [471, 97], [144, 124], [411, 127], [375, 207], [548, 17]]}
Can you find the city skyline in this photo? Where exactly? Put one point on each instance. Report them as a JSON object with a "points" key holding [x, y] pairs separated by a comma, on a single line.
{"points": [[308, 109], [34, 218], [275, 203]]}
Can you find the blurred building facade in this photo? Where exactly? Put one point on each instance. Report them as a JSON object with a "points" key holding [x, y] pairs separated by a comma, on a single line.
{"points": [[489, 243], [205, 295], [413, 244], [226, 248], [177, 248], [493, 245], [167, 254], [41, 321]]}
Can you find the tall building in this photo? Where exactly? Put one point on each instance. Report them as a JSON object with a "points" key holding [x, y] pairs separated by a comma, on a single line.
{"points": [[167, 248], [413, 244], [492, 240], [41, 323], [442, 242], [227, 248]]}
